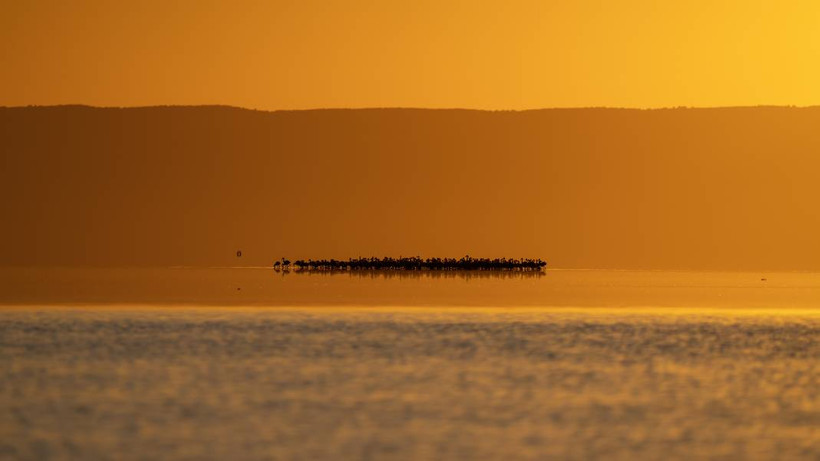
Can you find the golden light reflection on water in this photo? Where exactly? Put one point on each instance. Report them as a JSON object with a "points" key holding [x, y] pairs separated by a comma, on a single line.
{"points": [[621, 365], [489, 313], [359, 381]]}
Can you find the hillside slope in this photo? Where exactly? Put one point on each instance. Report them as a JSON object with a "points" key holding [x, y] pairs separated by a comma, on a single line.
{"points": [[732, 188]]}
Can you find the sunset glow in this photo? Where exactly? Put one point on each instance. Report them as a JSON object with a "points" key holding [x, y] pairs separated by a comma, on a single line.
{"points": [[409, 229], [516, 54]]}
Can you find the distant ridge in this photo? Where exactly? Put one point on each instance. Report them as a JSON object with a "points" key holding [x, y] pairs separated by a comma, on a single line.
{"points": [[401, 108], [703, 188]]}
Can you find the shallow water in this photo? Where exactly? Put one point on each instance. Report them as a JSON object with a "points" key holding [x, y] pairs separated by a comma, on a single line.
{"points": [[141, 364], [265, 287]]}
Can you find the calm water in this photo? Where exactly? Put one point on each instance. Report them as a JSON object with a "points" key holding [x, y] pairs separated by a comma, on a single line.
{"points": [[264, 287], [250, 364]]}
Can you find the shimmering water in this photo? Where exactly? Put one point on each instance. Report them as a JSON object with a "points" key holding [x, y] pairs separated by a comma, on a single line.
{"points": [[146, 364]]}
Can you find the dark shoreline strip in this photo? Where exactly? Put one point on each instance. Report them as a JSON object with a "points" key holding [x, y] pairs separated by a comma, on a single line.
{"points": [[466, 263]]}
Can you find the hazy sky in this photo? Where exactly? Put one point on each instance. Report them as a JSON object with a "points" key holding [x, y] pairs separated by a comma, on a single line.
{"points": [[511, 54]]}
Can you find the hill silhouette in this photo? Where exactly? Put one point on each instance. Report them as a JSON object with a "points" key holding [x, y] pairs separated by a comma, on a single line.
{"points": [[725, 188]]}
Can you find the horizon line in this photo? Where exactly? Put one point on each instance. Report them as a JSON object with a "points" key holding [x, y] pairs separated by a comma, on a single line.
{"points": [[409, 108]]}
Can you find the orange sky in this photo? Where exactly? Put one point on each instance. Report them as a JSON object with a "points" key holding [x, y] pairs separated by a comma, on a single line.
{"points": [[513, 54]]}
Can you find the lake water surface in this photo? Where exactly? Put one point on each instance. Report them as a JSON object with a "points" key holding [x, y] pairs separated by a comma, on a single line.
{"points": [[244, 363]]}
